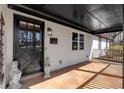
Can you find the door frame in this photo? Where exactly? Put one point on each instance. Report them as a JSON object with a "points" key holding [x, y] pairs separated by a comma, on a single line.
{"points": [[16, 20]]}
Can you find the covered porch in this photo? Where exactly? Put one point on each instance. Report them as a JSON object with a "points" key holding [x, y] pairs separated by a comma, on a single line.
{"points": [[82, 45]]}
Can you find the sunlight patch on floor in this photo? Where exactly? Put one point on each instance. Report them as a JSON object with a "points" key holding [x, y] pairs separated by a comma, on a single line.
{"points": [[104, 82], [94, 67], [71, 80], [114, 70]]}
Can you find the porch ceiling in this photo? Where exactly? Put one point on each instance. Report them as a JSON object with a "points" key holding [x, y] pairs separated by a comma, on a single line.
{"points": [[92, 18]]}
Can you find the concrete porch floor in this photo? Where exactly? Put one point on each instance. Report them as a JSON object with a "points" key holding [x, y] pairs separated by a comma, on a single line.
{"points": [[96, 74]]}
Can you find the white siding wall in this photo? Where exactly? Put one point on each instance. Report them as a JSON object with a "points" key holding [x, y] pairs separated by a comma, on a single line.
{"points": [[96, 52], [61, 51], [96, 43], [103, 43]]}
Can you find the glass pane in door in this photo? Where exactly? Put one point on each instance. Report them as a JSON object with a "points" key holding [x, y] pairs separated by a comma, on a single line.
{"points": [[30, 50]]}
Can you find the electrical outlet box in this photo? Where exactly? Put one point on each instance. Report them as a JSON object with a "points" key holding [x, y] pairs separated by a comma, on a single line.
{"points": [[60, 61]]}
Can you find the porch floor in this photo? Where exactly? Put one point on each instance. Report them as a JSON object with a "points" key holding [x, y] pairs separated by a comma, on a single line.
{"points": [[95, 74]]}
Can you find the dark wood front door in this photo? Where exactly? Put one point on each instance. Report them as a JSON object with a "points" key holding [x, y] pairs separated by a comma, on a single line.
{"points": [[29, 45]]}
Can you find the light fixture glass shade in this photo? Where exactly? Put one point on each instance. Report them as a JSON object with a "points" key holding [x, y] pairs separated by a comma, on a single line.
{"points": [[50, 32]]}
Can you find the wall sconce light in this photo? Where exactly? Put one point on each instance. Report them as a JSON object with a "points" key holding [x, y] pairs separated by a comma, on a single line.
{"points": [[50, 32]]}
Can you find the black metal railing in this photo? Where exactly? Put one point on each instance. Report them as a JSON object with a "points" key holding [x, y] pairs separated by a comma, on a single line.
{"points": [[109, 54]]}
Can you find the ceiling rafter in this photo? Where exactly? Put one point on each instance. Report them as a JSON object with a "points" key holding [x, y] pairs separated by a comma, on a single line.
{"points": [[95, 17], [109, 30], [117, 34], [106, 6]]}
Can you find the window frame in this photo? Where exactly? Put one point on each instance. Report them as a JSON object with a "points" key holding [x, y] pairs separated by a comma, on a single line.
{"points": [[81, 41], [74, 41]]}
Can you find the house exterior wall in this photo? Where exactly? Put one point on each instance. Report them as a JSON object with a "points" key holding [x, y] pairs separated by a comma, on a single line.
{"points": [[63, 50], [96, 51], [56, 52]]}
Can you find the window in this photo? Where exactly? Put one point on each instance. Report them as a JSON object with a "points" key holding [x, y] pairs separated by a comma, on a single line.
{"points": [[31, 26], [81, 42], [29, 34], [23, 24], [74, 41]]}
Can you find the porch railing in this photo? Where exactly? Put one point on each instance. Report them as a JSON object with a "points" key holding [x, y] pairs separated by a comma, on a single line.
{"points": [[108, 54]]}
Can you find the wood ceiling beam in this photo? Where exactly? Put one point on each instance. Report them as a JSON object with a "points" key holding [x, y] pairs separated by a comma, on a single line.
{"points": [[110, 30]]}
